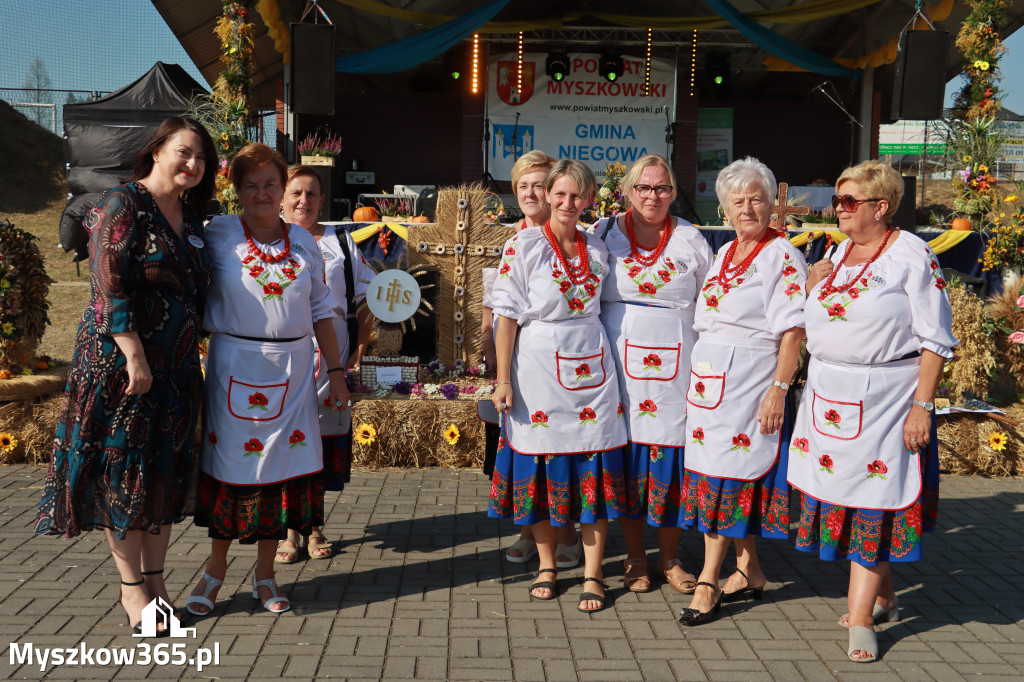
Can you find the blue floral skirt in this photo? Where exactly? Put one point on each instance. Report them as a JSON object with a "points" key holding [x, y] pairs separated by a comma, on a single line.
{"points": [[868, 536], [654, 484], [737, 509], [560, 488]]}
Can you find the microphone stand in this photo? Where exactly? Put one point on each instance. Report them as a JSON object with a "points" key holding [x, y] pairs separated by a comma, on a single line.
{"points": [[487, 179], [515, 136], [852, 120]]}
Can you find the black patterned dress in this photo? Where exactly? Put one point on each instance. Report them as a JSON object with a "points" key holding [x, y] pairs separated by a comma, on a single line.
{"points": [[120, 461]]}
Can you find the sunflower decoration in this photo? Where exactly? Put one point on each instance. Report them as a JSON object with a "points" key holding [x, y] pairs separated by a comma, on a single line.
{"points": [[7, 442], [996, 440], [452, 434], [366, 434]]}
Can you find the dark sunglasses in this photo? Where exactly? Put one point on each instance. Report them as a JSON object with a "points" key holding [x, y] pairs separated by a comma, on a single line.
{"points": [[848, 203]]}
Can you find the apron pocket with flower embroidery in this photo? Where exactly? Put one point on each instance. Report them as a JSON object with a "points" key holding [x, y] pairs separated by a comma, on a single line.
{"points": [[256, 402], [578, 371], [837, 418], [706, 390], [650, 362]]}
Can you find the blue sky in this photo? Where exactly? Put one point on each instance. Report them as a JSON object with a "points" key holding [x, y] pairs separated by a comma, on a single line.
{"points": [[106, 44]]}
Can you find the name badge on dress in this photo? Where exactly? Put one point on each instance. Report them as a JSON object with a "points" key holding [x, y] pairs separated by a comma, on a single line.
{"points": [[196, 241]]}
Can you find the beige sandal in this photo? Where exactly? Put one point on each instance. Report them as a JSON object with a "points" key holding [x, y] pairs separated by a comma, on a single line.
{"points": [[318, 546], [680, 584], [636, 578], [290, 555]]}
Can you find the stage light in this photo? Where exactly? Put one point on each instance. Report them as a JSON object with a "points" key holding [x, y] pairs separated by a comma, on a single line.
{"points": [[611, 65], [717, 67], [475, 85], [456, 75], [557, 65]]}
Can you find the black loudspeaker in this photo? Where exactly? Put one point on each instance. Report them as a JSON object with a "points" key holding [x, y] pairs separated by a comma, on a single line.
{"points": [[326, 174], [920, 82], [906, 214], [313, 69]]}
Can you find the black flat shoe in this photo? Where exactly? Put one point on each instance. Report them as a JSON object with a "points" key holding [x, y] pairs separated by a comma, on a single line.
{"points": [[590, 596], [691, 617], [545, 585], [748, 592]]}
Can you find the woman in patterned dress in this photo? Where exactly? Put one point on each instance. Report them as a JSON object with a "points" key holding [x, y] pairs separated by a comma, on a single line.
{"points": [[864, 450], [262, 456], [562, 459], [124, 450], [750, 317], [303, 198], [658, 264]]}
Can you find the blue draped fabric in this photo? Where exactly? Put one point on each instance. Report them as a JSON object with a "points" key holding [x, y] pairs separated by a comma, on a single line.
{"points": [[778, 45], [405, 54]]}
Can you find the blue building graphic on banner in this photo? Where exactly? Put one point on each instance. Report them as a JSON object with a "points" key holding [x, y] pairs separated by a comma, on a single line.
{"points": [[501, 141]]}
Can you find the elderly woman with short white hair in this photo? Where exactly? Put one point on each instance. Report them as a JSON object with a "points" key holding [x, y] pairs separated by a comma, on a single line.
{"points": [[750, 317]]}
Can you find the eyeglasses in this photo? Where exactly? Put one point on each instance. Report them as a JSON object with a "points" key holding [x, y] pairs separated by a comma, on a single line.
{"points": [[848, 203], [659, 190]]}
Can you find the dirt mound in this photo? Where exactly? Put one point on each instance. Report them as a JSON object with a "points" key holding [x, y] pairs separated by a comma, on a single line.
{"points": [[32, 174]]}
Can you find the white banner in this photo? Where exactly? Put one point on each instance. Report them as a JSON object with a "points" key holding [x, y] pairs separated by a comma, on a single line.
{"points": [[583, 117]]}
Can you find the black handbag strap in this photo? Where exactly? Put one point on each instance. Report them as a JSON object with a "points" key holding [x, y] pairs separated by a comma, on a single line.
{"points": [[350, 288]]}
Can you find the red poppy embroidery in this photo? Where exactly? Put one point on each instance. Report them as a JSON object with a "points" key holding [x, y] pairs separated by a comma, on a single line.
{"points": [[272, 289], [255, 271], [556, 273], [792, 289], [588, 416], [648, 408], [258, 401], [505, 269], [788, 270], [212, 437], [699, 389], [665, 276], [877, 469], [589, 288], [510, 251], [940, 283], [253, 447], [620, 411], [801, 445], [564, 286], [627, 260], [652, 361], [711, 301], [741, 441], [248, 259], [575, 304], [836, 310], [826, 463], [583, 371], [648, 288], [297, 438], [539, 419], [832, 418], [289, 273], [635, 270], [698, 435], [853, 293]]}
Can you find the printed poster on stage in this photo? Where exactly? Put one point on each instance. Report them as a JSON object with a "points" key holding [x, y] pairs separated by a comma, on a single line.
{"points": [[714, 152], [583, 117]]}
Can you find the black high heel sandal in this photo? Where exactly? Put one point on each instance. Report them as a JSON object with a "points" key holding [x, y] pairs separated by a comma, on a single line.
{"points": [[137, 628], [690, 616], [178, 613], [755, 593]]}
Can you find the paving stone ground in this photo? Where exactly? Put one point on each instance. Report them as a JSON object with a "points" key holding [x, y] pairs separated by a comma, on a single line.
{"points": [[418, 590]]}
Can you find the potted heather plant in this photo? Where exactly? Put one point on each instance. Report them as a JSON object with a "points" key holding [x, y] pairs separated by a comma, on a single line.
{"points": [[319, 151]]}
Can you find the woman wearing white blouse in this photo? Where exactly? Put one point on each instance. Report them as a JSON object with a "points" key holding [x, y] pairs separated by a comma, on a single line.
{"points": [[261, 449], [863, 450]]}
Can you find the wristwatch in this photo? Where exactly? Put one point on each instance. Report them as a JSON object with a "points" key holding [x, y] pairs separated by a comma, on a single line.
{"points": [[781, 384], [926, 404]]}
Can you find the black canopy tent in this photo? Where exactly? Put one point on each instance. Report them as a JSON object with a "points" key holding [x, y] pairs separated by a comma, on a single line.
{"points": [[102, 137]]}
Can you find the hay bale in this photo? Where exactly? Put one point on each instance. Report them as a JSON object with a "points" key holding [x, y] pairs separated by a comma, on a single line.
{"points": [[965, 444], [33, 426], [411, 433], [28, 387]]}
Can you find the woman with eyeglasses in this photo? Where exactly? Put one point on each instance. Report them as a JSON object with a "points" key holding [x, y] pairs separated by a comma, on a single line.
{"points": [[750, 317], [864, 451], [562, 459], [658, 263]]}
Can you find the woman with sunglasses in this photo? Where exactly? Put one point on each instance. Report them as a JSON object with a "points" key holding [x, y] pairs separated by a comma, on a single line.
{"points": [[864, 451], [658, 263], [562, 459], [750, 317]]}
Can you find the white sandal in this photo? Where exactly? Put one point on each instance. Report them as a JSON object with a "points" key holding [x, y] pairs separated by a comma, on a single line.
{"points": [[573, 554], [275, 599], [527, 550], [863, 639], [204, 600]]}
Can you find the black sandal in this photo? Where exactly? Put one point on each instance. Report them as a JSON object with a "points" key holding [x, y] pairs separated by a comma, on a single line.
{"points": [[590, 596], [137, 628], [545, 585], [690, 616], [178, 613], [755, 593]]}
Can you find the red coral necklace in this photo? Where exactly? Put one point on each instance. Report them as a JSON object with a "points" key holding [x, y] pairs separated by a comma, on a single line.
{"points": [[729, 272], [578, 274], [259, 253], [634, 249], [827, 289]]}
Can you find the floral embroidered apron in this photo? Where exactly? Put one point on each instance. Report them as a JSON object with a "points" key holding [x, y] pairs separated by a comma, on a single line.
{"points": [[652, 359], [565, 397], [729, 379], [332, 423], [847, 447], [260, 419]]}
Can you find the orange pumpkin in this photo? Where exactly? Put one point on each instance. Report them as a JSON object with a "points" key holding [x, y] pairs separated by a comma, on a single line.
{"points": [[961, 224], [41, 364], [420, 219], [366, 214]]}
